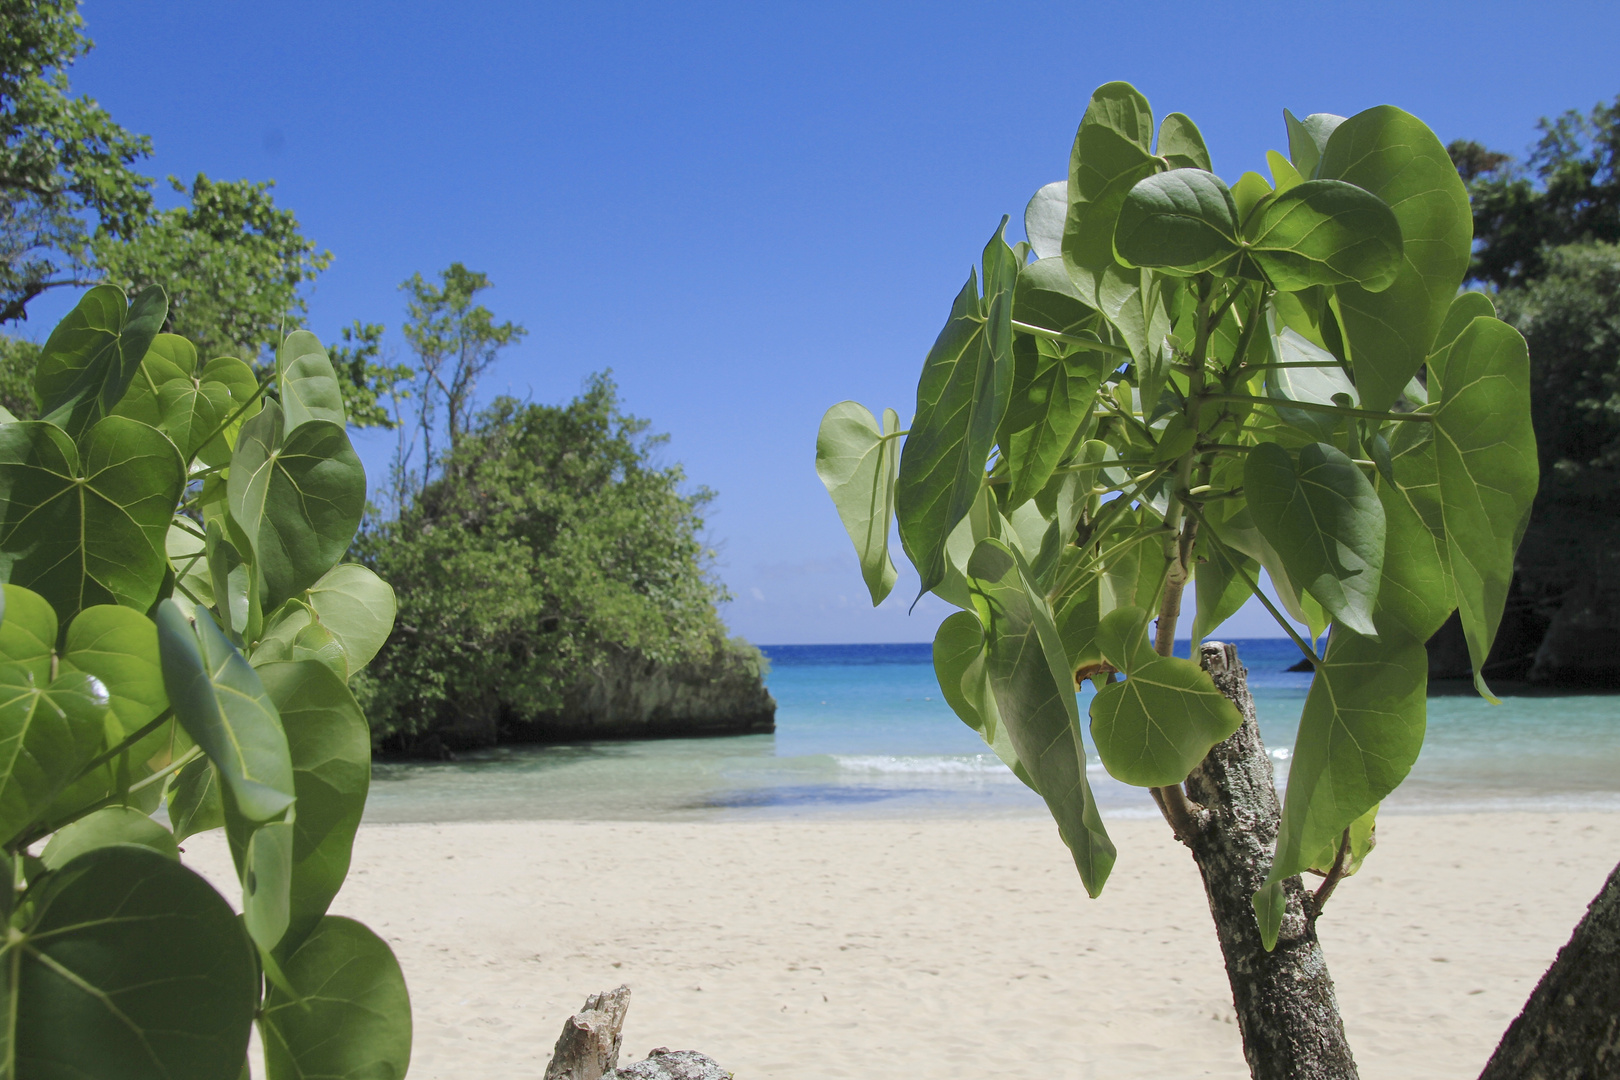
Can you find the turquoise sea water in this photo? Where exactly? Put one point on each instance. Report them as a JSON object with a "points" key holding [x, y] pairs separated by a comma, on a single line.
{"points": [[862, 731]]}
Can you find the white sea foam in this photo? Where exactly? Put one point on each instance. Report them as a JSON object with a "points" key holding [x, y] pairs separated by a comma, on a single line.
{"points": [[959, 764]]}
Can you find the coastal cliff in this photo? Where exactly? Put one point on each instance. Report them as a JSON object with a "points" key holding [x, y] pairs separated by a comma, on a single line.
{"points": [[632, 697]]}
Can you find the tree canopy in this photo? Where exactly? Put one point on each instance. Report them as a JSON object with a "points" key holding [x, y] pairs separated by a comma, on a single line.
{"points": [[551, 541], [1566, 191], [233, 260], [66, 167]]}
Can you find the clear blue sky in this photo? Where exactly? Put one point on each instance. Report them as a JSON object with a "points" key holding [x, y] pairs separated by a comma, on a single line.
{"points": [[752, 211]]}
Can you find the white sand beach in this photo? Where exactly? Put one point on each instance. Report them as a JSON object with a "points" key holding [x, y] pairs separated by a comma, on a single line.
{"points": [[939, 948]]}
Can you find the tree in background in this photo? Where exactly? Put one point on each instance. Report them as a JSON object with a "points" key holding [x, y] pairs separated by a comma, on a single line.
{"points": [[65, 165], [1546, 251], [551, 542], [1567, 191], [455, 341], [372, 388], [234, 262]]}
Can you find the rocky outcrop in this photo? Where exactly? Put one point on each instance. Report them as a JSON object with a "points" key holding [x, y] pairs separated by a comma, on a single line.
{"points": [[633, 697], [1582, 645]]}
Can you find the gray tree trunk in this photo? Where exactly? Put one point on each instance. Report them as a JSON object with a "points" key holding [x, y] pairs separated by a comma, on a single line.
{"points": [[1570, 1026], [1286, 1009]]}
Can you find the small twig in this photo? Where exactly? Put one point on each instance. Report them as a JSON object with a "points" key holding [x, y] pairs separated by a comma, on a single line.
{"points": [[1331, 881]]}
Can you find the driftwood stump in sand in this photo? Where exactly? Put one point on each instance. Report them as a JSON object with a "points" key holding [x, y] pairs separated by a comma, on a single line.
{"points": [[588, 1048]]}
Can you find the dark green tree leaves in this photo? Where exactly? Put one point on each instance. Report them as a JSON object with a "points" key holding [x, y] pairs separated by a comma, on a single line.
{"points": [[92, 355], [84, 526], [297, 496], [1396, 157], [105, 929], [47, 732], [1323, 518], [858, 462], [1034, 694], [961, 399], [959, 665], [223, 706], [112, 825], [1485, 450], [362, 1025]]}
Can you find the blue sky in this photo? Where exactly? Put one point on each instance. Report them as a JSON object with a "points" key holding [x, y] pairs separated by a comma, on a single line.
{"points": [[752, 211]]}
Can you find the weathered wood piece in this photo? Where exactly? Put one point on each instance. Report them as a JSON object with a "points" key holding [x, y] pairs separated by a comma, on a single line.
{"points": [[588, 1048], [1286, 1008], [1570, 1026]]}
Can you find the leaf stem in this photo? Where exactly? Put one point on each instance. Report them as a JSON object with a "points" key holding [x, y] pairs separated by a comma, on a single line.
{"points": [[1069, 339], [1331, 881], [1313, 406]]}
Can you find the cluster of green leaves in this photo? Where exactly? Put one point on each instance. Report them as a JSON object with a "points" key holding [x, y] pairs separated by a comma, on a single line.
{"points": [[551, 544], [1174, 381], [177, 630], [65, 166]]}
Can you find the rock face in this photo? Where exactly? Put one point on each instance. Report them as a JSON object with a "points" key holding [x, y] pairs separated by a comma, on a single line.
{"points": [[637, 698], [1582, 646], [664, 1064]]}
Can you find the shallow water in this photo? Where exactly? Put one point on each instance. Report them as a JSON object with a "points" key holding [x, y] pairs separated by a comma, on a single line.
{"points": [[863, 731]]}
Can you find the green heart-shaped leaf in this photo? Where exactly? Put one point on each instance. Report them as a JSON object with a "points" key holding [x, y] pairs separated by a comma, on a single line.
{"points": [[959, 665], [47, 734], [190, 403], [113, 825], [1051, 397], [1486, 465], [91, 357], [1325, 232], [1396, 157], [961, 399], [298, 498], [220, 701], [309, 386], [1043, 220], [1360, 732], [331, 754], [28, 632], [858, 463], [87, 529], [1153, 728], [1308, 138], [362, 1025], [107, 929], [195, 803], [1034, 695], [1182, 220], [1182, 144], [1324, 520]]}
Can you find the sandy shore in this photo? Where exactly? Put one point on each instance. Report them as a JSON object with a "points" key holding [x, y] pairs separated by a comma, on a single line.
{"points": [[940, 948]]}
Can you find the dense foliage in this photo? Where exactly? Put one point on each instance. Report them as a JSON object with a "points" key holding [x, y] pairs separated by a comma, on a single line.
{"points": [[65, 166], [1190, 382], [551, 542], [231, 260], [1567, 191], [177, 630]]}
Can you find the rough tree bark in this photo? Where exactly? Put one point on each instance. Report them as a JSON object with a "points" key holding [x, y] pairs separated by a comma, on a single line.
{"points": [[1286, 1009], [1570, 1026]]}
